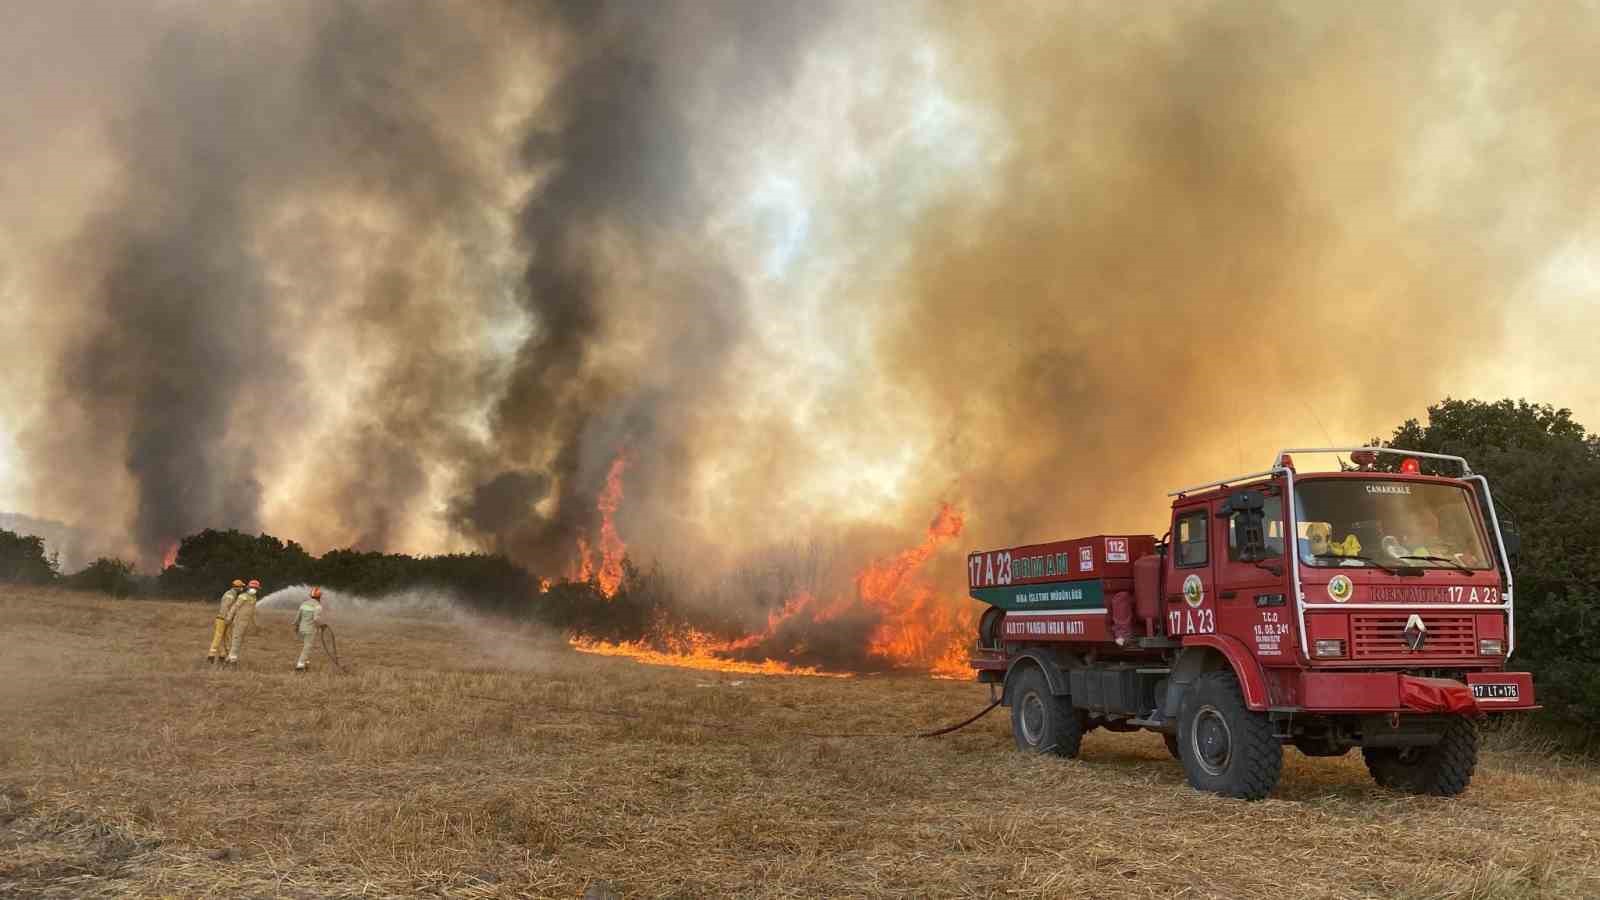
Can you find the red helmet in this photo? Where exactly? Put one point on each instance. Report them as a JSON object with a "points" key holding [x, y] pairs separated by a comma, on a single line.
{"points": [[316, 593], [254, 583]]}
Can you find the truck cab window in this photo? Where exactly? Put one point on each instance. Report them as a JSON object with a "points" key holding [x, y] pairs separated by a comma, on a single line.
{"points": [[1346, 521], [1271, 526], [1191, 539]]}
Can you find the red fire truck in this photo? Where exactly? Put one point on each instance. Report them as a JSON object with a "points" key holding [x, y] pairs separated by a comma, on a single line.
{"points": [[1366, 607]]}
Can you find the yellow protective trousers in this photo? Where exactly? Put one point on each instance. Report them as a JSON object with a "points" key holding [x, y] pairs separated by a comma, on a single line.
{"points": [[219, 638], [244, 614], [308, 640]]}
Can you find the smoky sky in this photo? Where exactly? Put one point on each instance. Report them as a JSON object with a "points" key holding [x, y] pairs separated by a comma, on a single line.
{"points": [[1220, 229], [411, 276]]}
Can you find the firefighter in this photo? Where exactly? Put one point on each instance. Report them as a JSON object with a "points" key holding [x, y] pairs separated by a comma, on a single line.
{"points": [[244, 615], [219, 627], [306, 625]]}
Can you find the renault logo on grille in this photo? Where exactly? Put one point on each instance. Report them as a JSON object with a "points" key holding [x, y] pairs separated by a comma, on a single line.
{"points": [[1416, 633]]}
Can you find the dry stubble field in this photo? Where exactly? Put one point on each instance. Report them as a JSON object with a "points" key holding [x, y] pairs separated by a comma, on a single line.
{"points": [[464, 759]]}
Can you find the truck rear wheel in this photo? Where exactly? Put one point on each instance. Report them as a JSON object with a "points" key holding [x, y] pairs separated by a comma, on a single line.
{"points": [[1225, 748], [1441, 770], [1041, 722]]}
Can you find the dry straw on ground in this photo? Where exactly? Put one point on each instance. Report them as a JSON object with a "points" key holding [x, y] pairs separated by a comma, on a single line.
{"points": [[464, 759]]}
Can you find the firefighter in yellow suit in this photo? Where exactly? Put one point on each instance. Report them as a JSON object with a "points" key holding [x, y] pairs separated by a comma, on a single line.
{"points": [[219, 627], [244, 615], [306, 625]]}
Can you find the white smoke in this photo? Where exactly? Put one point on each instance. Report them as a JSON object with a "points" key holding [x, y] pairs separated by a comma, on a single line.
{"points": [[409, 602], [487, 641]]}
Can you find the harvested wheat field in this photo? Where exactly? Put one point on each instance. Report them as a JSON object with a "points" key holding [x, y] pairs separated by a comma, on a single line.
{"points": [[462, 759]]}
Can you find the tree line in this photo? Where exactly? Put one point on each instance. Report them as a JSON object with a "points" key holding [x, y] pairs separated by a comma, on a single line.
{"points": [[645, 602]]}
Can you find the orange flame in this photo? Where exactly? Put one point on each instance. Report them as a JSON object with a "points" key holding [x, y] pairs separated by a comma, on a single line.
{"points": [[704, 653], [170, 558], [916, 627], [607, 569]]}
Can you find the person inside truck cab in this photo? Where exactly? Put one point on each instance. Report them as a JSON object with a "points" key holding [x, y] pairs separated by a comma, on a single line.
{"points": [[1426, 536]]}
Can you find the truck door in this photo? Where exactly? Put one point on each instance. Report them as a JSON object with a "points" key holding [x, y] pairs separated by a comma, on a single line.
{"points": [[1191, 598], [1252, 594]]}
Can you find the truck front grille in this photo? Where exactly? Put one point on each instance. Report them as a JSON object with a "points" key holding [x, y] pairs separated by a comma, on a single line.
{"points": [[1382, 636]]}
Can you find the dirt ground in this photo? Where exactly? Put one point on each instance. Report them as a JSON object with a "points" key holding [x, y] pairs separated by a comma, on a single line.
{"points": [[465, 759]]}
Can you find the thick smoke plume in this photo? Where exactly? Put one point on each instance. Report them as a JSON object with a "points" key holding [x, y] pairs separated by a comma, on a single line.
{"points": [[1220, 229], [415, 276], [633, 318], [274, 173]]}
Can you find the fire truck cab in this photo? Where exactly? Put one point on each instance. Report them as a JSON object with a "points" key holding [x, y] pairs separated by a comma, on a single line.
{"points": [[1366, 607]]}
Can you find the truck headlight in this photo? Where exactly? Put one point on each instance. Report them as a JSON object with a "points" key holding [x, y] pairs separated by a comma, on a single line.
{"points": [[1491, 647], [1329, 649]]}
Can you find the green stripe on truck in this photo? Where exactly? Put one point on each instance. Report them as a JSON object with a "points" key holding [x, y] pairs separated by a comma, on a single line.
{"points": [[1062, 595]]}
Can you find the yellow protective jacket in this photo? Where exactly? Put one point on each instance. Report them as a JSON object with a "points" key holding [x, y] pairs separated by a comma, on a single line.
{"points": [[245, 603], [225, 611], [309, 618]]}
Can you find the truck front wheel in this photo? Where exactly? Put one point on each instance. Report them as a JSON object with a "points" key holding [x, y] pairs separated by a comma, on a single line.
{"points": [[1441, 770], [1041, 722], [1225, 748]]}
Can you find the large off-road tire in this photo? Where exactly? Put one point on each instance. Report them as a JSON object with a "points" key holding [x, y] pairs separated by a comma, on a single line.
{"points": [[1440, 770], [1227, 749], [1041, 722], [1171, 740]]}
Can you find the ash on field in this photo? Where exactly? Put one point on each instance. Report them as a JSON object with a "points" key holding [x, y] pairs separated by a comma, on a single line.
{"points": [[475, 760]]}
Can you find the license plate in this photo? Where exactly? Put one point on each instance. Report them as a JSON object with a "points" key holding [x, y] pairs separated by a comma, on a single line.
{"points": [[1483, 691]]}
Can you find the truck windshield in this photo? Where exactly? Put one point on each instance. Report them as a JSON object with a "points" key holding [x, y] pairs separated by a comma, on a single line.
{"points": [[1346, 521]]}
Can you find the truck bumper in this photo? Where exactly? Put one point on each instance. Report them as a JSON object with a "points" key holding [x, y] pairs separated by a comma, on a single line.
{"points": [[1363, 692]]}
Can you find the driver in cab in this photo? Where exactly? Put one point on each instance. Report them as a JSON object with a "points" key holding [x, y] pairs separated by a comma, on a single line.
{"points": [[1427, 540]]}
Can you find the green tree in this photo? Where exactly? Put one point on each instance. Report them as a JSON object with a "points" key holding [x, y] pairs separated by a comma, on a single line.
{"points": [[1544, 469], [107, 575], [209, 560], [23, 560]]}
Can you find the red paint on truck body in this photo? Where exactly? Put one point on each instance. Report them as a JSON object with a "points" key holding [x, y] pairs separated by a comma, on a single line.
{"points": [[1195, 593]]}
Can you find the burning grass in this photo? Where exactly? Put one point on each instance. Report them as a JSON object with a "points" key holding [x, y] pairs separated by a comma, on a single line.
{"points": [[468, 760], [708, 657]]}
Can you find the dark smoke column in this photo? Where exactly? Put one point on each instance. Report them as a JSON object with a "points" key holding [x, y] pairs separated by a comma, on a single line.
{"points": [[617, 140], [178, 314]]}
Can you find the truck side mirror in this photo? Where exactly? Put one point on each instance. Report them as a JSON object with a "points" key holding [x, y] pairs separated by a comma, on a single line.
{"points": [[1244, 501], [1513, 542], [1249, 528]]}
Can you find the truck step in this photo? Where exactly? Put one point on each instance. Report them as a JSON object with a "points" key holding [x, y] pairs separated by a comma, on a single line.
{"points": [[1158, 643]]}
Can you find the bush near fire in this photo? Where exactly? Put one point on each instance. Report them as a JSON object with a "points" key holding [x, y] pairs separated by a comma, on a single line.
{"points": [[1543, 466]]}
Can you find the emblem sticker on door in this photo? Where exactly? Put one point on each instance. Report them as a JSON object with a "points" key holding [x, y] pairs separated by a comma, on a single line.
{"points": [[1340, 588], [1194, 593]]}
